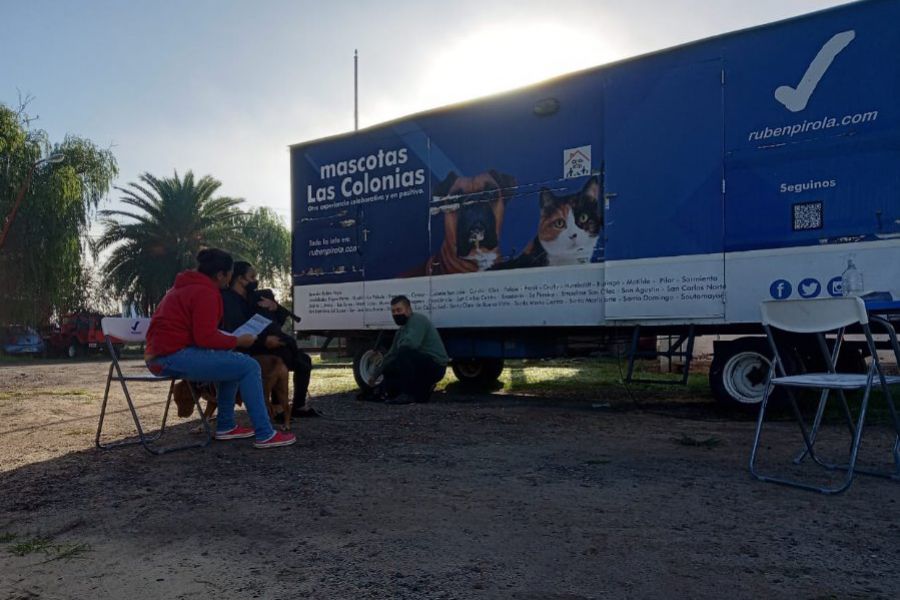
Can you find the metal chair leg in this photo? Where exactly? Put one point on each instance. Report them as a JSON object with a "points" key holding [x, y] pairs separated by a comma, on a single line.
{"points": [[103, 408], [157, 451], [149, 441], [759, 424], [817, 422], [848, 478]]}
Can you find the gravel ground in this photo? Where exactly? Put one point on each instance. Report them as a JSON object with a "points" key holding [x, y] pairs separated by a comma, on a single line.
{"points": [[491, 496]]}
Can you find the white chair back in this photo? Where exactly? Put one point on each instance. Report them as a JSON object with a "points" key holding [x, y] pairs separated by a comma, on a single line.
{"points": [[131, 331], [812, 316]]}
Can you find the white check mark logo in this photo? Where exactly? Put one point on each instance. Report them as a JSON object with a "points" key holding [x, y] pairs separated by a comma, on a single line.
{"points": [[796, 99]]}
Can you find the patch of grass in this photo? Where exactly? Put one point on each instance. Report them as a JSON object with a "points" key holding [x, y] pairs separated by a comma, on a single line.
{"points": [[31, 545], [331, 360], [597, 461], [45, 545], [78, 432], [15, 358], [68, 393], [708, 443], [330, 381], [578, 376], [69, 551], [12, 394]]}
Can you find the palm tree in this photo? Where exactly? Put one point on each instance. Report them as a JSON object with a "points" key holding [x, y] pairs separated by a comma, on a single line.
{"points": [[173, 220]]}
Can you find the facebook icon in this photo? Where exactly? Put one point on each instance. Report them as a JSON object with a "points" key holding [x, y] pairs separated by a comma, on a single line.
{"points": [[780, 289]]}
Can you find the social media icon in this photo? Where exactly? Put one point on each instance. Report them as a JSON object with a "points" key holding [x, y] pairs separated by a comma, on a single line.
{"points": [[809, 288], [780, 289], [836, 286]]}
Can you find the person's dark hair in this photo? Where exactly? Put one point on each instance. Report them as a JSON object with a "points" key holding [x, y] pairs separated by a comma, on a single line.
{"points": [[399, 299], [212, 260], [240, 269]]}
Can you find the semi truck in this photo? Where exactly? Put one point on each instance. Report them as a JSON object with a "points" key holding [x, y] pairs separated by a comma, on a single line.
{"points": [[668, 193]]}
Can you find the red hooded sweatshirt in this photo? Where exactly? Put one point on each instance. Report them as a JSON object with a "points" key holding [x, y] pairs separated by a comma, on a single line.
{"points": [[188, 315]]}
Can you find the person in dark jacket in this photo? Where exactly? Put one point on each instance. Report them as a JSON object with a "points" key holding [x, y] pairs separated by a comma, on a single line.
{"points": [[417, 359], [242, 300], [184, 341]]}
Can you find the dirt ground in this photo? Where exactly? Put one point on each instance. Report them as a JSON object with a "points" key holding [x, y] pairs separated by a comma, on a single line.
{"points": [[491, 496]]}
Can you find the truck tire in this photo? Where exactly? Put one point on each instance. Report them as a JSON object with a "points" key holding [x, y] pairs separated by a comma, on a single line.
{"points": [[75, 349], [738, 373], [364, 360], [477, 372]]}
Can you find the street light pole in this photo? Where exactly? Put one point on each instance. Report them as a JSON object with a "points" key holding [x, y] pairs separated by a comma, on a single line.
{"points": [[52, 159], [355, 90]]}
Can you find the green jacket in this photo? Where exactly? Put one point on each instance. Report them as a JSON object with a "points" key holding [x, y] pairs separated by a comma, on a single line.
{"points": [[420, 335]]}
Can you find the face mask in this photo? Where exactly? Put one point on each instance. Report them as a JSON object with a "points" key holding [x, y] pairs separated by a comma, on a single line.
{"points": [[400, 319], [251, 286]]}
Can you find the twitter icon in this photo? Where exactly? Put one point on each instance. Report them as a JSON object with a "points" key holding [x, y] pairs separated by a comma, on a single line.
{"points": [[809, 288]]}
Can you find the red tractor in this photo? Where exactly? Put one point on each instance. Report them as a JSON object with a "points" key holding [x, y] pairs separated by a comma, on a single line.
{"points": [[77, 334]]}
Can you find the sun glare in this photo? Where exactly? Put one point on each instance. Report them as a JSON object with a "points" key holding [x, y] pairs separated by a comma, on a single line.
{"points": [[508, 56]]}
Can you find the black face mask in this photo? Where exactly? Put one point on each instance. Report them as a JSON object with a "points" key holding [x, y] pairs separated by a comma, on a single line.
{"points": [[251, 286], [400, 319]]}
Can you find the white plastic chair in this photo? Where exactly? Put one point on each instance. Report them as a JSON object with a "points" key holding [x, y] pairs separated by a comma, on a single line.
{"points": [[135, 331], [821, 317]]}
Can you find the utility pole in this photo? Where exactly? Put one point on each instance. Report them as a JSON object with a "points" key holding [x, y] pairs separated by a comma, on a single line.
{"points": [[355, 90]]}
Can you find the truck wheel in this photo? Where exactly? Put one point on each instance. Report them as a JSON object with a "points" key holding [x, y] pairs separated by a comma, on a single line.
{"points": [[739, 370], [364, 362], [74, 349], [477, 372]]}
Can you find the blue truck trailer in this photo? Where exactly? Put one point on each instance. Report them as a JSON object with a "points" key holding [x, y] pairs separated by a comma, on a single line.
{"points": [[669, 191]]}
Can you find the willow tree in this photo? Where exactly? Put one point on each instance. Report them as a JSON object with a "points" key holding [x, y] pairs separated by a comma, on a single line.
{"points": [[270, 247], [42, 261]]}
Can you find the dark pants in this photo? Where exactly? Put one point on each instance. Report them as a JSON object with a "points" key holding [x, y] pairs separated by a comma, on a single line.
{"points": [[412, 373], [300, 363]]}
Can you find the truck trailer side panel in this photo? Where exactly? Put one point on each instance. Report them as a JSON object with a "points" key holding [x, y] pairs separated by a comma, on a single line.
{"points": [[680, 187]]}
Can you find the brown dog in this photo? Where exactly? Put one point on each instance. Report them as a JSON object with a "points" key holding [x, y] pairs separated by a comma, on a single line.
{"points": [[275, 391], [472, 229]]}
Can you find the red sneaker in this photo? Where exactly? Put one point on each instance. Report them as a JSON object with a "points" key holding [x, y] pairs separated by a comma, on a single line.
{"points": [[279, 438], [235, 434]]}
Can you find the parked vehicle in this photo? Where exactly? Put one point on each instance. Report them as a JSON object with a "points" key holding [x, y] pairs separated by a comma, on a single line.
{"points": [[20, 339], [77, 334], [671, 192]]}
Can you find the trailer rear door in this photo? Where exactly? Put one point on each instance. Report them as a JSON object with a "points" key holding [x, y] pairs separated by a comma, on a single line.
{"points": [[664, 198]]}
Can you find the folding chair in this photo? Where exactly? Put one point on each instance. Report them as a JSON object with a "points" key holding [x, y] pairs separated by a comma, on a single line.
{"points": [[135, 331], [821, 317]]}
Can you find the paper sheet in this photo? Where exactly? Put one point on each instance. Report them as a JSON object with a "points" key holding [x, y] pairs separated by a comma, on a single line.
{"points": [[255, 325]]}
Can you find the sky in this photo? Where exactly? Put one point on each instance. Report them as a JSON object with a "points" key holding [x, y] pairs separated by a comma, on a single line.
{"points": [[222, 88]]}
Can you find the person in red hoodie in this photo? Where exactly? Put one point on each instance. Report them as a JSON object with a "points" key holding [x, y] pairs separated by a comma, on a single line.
{"points": [[184, 341]]}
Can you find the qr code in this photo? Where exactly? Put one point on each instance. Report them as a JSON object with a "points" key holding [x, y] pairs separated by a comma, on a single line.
{"points": [[808, 216]]}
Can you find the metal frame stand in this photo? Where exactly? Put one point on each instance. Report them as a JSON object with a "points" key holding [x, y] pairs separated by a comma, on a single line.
{"points": [[674, 350]]}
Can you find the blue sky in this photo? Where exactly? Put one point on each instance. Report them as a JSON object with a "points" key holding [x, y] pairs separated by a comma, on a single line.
{"points": [[223, 87]]}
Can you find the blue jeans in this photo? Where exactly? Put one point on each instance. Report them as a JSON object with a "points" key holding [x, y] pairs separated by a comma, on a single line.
{"points": [[230, 371]]}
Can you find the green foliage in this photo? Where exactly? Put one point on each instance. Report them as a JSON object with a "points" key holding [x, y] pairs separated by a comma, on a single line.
{"points": [[42, 261], [31, 545], [172, 219], [269, 247], [169, 220]]}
